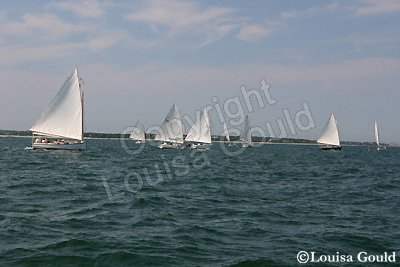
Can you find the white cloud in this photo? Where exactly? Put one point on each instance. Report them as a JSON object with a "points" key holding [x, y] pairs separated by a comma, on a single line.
{"points": [[178, 17], [18, 53], [374, 7], [312, 10], [251, 33], [102, 42], [45, 36], [83, 9], [32, 24]]}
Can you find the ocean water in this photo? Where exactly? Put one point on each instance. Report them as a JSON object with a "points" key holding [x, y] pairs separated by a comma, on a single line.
{"points": [[115, 206]]}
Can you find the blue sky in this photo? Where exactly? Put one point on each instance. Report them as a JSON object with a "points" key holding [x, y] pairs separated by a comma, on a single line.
{"points": [[138, 57]]}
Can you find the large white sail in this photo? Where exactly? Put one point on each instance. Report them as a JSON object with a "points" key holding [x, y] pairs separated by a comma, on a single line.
{"points": [[64, 116], [171, 129], [330, 134], [226, 133], [138, 133], [201, 130], [376, 134], [246, 133]]}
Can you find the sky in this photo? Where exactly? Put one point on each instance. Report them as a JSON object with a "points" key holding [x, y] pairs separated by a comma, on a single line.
{"points": [[137, 58]]}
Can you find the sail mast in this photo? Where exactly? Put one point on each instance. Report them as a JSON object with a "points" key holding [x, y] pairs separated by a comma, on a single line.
{"points": [[82, 106]]}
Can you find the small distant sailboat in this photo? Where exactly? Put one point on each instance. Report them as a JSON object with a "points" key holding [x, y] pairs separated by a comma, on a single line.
{"points": [[246, 133], [200, 133], [330, 135], [138, 134], [380, 147], [60, 126], [171, 131], [226, 134]]}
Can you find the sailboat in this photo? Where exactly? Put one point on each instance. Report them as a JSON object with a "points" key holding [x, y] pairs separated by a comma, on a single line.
{"points": [[171, 131], [246, 133], [138, 134], [330, 135], [200, 133], [60, 125], [226, 134], [380, 147]]}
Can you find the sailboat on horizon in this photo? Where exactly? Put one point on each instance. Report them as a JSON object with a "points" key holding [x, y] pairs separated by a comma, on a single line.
{"points": [[171, 130], [379, 146], [138, 134], [199, 134], [245, 137], [226, 134], [61, 124], [329, 138]]}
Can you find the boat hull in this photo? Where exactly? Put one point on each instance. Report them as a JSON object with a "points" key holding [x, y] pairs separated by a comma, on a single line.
{"points": [[200, 146], [246, 145], [329, 147], [169, 146], [55, 146]]}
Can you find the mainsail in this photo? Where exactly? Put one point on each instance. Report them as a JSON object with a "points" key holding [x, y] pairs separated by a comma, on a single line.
{"points": [[171, 129], [138, 133], [330, 134], [201, 130], [376, 134], [246, 133], [64, 116], [226, 133]]}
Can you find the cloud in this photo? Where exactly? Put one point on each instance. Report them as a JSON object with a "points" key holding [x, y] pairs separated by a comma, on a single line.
{"points": [[312, 10], [83, 9], [251, 33], [49, 25], [103, 41], [177, 18], [19, 53], [38, 37], [376, 7]]}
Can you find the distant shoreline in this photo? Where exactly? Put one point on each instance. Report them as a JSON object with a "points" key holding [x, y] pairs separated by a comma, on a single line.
{"points": [[309, 143]]}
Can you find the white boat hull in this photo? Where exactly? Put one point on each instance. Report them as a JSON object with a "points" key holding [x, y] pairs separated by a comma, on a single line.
{"points": [[245, 145], [169, 146], [55, 146], [200, 146]]}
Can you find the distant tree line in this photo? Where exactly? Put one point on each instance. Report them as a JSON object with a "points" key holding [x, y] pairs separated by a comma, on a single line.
{"points": [[214, 138]]}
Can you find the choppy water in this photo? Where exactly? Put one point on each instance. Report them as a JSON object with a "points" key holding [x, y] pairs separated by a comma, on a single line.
{"points": [[259, 208]]}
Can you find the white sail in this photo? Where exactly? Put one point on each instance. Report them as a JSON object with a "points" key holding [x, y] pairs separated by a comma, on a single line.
{"points": [[201, 130], [376, 134], [246, 133], [138, 133], [64, 116], [330, 134], [226, 133], [171, 129]]}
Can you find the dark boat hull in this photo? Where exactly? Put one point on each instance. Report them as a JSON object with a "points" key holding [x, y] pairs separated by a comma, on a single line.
{"points": [[330, 148]]}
